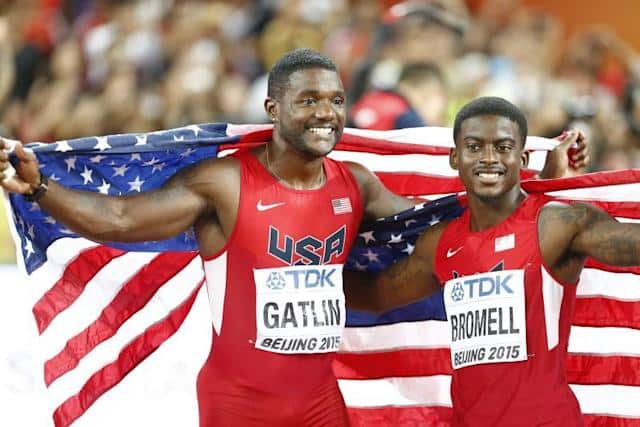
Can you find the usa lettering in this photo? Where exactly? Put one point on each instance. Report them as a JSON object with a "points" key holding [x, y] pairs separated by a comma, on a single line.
{"points": [[488, 321], [302, 314], [308, 250]]}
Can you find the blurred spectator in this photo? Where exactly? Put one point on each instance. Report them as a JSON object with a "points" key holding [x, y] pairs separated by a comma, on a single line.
{"points": [[419, 99]]}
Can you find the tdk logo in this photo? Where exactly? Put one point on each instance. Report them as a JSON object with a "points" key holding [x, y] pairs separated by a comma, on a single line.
{"points": [[302, 279], [275, 281], [479, 287], [457, 292]]}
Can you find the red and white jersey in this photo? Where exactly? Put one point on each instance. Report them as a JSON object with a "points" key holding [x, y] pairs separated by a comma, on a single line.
{"points": [[275, 289], [509, 320]]}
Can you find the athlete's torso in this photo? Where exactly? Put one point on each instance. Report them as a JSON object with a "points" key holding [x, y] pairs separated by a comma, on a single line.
{"points": [[275, 289], [509, 325]]}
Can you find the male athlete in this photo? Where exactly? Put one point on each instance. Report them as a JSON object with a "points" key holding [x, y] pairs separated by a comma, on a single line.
{"points": [[509, 267], [274, 276]]}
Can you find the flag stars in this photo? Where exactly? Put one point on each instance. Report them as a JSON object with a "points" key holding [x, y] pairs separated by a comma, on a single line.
{"points": [[409, 249], [104, 188], [367, 236], [120, 171], [396, 238], [31, 232], [141, 139], [135, 156], [34, 207], [434, 220], [50, 220], [158, 167], [87, 175], [151, 162], [189, 151], [98, 158], [71, 163], [63, 147], [408, 222], [102, 143], [195, 129], [419, 207], [136, 185], [53, 177], [28, 248], [360, 267], [371, 256]]}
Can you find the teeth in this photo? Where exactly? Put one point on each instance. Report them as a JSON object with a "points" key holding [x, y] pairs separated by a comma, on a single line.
{"points": [[321, 131], [488, 175]]}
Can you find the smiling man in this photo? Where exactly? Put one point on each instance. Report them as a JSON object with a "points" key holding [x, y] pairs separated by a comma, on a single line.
{"points": [[274, 275], [509, 266]]}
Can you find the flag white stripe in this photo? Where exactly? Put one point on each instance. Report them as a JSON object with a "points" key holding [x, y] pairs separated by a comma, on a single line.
{"points": [[59, 254], [605, 341], [616, 400], [610, 193], [97, 294], [434, 334], [174, 292], [621, 401], [401, 391], [619, 286]]}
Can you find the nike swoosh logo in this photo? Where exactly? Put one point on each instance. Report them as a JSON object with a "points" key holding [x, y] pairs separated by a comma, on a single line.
{"points": [[262, 208], [451, 253]]}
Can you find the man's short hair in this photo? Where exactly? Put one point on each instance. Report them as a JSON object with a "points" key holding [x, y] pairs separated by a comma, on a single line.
{"points": [[492, 106], [298, 59], [418, 72]]}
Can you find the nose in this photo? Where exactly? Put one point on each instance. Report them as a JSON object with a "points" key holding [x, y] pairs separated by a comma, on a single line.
{"points": [[489, 154], [325, 111]]}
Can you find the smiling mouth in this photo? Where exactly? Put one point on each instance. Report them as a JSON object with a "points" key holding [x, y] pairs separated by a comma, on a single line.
{"points": [[322, 131], [489, 175]]}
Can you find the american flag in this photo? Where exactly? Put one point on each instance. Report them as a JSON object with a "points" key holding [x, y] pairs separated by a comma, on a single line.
{"points": [[106, 313]]}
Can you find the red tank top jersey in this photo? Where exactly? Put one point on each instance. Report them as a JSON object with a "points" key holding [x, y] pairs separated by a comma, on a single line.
{"points": [[268, 286], [500, 381]]}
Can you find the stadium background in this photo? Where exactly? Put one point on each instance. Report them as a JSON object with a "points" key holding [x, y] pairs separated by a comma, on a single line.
{"points": [[86, 67]]}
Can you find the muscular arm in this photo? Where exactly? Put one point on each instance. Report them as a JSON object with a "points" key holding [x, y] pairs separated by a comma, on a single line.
{"points": [[570, 233], [378, 201], [409, 280]]}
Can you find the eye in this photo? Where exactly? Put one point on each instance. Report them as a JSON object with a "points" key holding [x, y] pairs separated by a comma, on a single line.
{"points": [[504, 148], [338, 100], [473, 147], [308, 101]]}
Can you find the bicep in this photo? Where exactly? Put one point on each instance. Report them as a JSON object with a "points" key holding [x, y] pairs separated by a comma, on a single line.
{"points": [[172, 208], [378, 201], [605, 239]]}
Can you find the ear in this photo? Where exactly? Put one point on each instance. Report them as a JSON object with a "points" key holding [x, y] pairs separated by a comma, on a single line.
{"points": [[524, 158], [271, 108], [453, 159]]}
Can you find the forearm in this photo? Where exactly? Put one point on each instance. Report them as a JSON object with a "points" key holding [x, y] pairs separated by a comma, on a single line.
{"points": [[89, 214]]}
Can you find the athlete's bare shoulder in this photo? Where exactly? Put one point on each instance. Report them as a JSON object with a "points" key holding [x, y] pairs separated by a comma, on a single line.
{"points": [[213, 178]]}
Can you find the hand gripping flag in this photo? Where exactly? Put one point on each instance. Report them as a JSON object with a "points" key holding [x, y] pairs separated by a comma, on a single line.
{"points": [[113, 316]]}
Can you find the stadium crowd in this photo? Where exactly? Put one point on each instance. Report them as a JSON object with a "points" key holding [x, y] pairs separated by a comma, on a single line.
{"points": [[71, 68]]}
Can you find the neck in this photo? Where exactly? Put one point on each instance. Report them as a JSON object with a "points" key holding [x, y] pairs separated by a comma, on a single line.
{"points": [[489, 212], [292, 168]]}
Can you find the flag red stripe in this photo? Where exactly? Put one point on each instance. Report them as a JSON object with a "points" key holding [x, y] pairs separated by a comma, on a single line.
{"points": [[629, 176], [72, 283], [424, 416], [602, 312], [131, 298], [592, 263], [607, 421], [398, 363], [593, 369], [131, 356]]}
